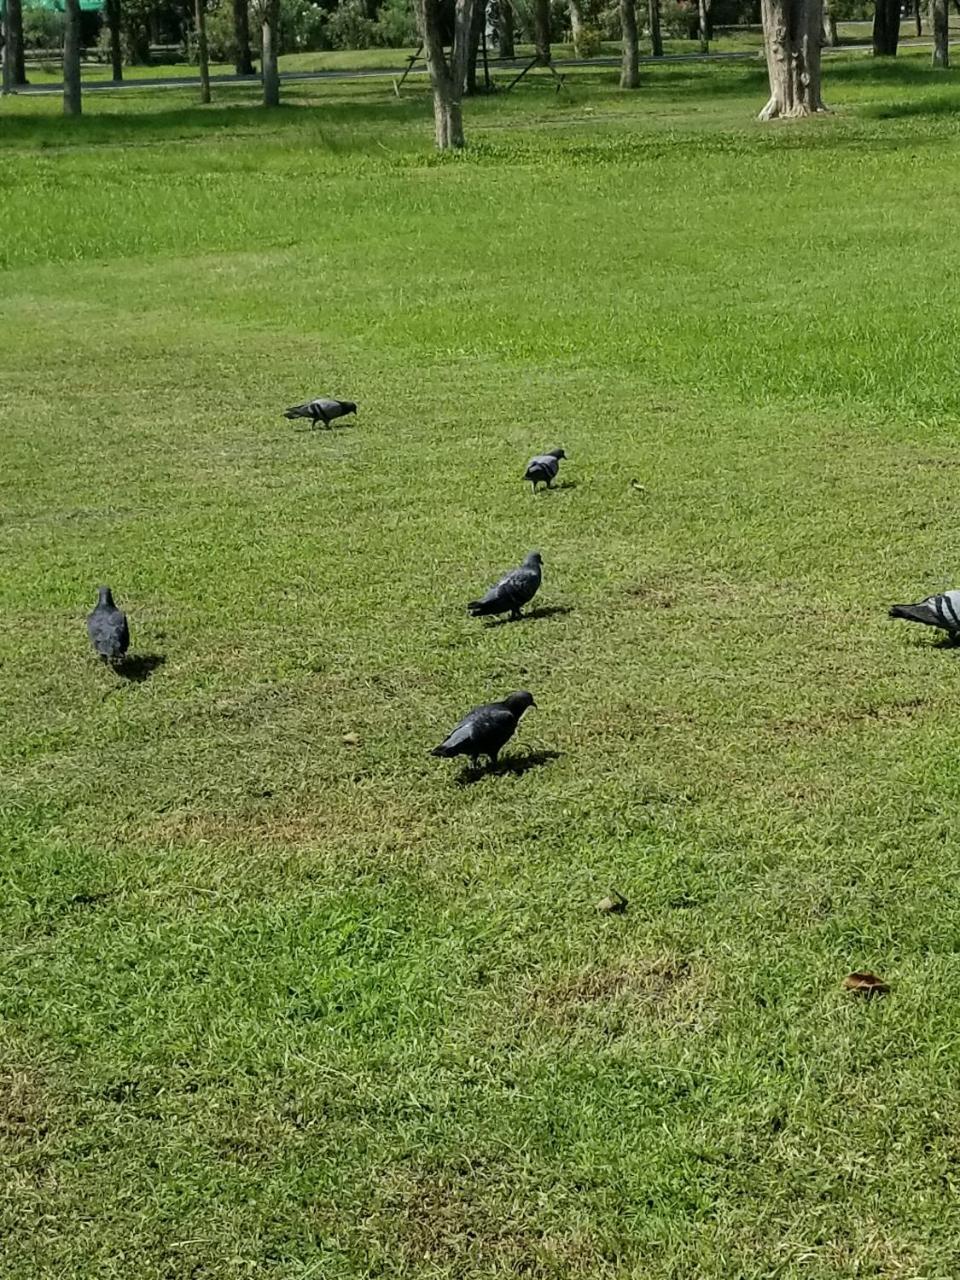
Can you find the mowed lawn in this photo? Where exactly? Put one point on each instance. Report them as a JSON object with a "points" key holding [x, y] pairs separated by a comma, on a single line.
{"points": [[282, 995]]}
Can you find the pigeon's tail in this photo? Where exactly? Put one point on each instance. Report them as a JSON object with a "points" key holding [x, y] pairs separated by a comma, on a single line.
{"points": [[536, 474], [915, 613], [477, 608], [299, 412], [444, 751]]}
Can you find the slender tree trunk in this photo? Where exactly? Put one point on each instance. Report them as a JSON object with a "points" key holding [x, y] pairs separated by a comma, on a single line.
{"points": [[831, 37], [886, 28], [653, 18], [116, 44], [918, 17], [6, 80], [505, 30], [541, 31], [203, 61], [13, 61], [940, 15], [268, 55], [72, 105], [791, 37], [703, 9], [576, 27], [630, 65], [243, 61], [473, 51], [446, 75]]}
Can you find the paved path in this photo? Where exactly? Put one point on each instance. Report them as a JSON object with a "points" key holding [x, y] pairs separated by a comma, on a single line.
{"points": [[388, 73]]}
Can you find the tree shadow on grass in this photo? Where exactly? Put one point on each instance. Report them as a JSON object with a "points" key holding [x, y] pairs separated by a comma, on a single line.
{"points": [[139, 666], [515, 765]]}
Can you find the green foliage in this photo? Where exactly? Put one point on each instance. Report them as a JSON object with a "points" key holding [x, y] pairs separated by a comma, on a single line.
{"points": [[396, 26], [42, 28], [281, 995], [348, 27]]}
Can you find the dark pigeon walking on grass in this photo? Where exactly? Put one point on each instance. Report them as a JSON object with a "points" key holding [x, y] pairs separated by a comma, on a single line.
{"points": [[512, 592], [543, 468], [107, 628], [941, 611], [485, 730], [322, 410]]}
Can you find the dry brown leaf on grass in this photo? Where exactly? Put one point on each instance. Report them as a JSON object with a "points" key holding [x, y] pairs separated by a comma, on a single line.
{"points": [[614, 904], [865, 984]]}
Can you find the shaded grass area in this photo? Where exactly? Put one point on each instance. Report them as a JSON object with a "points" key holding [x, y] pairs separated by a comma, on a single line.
{"points": [[279, 996]]}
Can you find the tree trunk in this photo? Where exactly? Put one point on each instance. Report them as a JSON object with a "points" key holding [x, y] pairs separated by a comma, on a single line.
{"points": [[831, 37], [886, 28], [72, 105], [941, 32], [243, 60], [268, 55], [6, 80], [473, 50], [791, 37], [653, 17], [576, 27], [541, 31], [630, 65], [446, 76], [918, 17], [203, 61], [14, 70], [505, 30], [703, 9], [116, 44]]}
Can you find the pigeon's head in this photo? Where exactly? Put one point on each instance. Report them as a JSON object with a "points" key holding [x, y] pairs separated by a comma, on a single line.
{"points": [[557, 453], [349, 406], [519, 701], [534, 560], [105, 597]]}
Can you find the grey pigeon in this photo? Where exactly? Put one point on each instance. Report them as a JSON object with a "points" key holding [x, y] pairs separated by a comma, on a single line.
{"points": [[107, 628], [513, 591], [941, 611], [543, 468], [485, 730], [321, 410]]}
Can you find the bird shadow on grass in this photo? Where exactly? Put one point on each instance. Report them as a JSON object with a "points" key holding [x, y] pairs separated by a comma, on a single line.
{"points": [[515, 765], [560, 486], [139, 667], [547, 611], [322, 430]]}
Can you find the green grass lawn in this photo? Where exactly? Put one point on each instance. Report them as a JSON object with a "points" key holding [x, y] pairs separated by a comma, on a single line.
{"points": [[279, 1004]]}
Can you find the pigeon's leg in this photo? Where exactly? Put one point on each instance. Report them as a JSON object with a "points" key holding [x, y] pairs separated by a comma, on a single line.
{"points": [[474, 762], [515, 615]]}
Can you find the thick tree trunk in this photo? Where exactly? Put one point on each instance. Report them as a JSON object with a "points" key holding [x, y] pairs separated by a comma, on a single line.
{"points": [[243, 60], [703, 10], [541, 31], [630, 65], [268, 55], [446, 75], [116, 42], [505, 30], [791, 37], [653, 18], [886, 28], [576, 27], [940, 16], [71, 59], [203, 61]]}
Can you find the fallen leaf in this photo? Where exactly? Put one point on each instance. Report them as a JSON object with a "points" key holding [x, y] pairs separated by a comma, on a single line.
{"points": [[351, 740], [865, 984], [613, 905]]}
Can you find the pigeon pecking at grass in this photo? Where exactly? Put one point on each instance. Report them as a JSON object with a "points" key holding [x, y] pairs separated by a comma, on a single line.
{"points": [[513, 591], [485, 730], [941, 611], [107, 628], [321, 410], [543, 468]]}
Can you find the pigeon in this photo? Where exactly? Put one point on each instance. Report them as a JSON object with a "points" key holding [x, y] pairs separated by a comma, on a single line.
{"points": [[941, 611], [485, 730], [543, 468], [321, 410], [513, 591], [107, 628]]}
